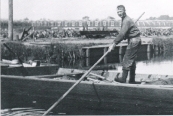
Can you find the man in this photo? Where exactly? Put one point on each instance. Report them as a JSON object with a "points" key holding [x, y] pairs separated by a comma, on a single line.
{"points": [[130, 32]]}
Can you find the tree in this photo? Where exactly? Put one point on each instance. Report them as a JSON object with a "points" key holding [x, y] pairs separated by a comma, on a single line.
{"points": [[164, 17], [152, 18], [85, 18], [26, 19]]}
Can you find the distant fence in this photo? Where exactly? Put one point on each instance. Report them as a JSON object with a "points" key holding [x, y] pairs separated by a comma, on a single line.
{"points": [[103, 23], [89, 24]]}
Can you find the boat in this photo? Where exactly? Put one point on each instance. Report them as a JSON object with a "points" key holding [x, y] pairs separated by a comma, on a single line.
{"points": [[15, 63], [97, 94], [20, 70]]}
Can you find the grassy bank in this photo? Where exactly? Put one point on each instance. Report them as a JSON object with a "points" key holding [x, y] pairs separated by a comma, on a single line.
{"points": [[165, 42], [54, 51], [64, 49]]}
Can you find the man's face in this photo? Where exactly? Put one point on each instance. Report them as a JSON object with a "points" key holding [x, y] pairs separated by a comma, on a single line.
{"points": [[121, 13]]}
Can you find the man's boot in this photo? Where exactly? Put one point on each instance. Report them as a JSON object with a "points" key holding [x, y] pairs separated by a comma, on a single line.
{"points": [[123, 78], [132, 75]]}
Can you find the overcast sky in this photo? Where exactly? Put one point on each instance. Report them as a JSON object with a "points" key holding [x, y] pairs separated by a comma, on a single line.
{"points": [[76, 9]]}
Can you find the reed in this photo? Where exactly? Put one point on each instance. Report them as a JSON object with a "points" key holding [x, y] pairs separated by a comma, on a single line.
{"points": [[54, 51], [165, 42], [59, 50]]}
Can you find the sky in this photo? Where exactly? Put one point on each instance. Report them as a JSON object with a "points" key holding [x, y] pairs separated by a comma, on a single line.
{"points": [[76, 9]]}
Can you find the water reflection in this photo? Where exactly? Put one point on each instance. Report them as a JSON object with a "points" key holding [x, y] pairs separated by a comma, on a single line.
{"points": [[24, 105], [22, 112], [145, 62], [158, 64]]}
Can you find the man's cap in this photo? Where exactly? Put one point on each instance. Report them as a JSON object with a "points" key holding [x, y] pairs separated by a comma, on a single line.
{"points": [[121, 7]]}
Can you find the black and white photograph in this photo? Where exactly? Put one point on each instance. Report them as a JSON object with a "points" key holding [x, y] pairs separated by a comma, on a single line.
{"points": [[86, 57]]}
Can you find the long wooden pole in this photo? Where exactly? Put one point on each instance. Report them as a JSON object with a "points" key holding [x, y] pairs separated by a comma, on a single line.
{"points": [[83, 76], [140, 17], [0, 21], [71, 88], [10, 20]]}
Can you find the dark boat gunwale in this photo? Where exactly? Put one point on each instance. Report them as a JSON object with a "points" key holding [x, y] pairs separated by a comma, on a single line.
{"points": [[91, 82]]}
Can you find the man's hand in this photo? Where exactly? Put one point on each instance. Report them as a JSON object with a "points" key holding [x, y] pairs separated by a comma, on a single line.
{"points": [[111, 47]]}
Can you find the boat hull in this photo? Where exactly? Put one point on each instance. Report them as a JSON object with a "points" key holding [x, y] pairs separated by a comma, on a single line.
{"points": [[39, 70], [88, 98]]}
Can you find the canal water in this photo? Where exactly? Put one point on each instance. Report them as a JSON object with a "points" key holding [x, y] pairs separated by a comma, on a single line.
{"points": [[147, 63]]}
